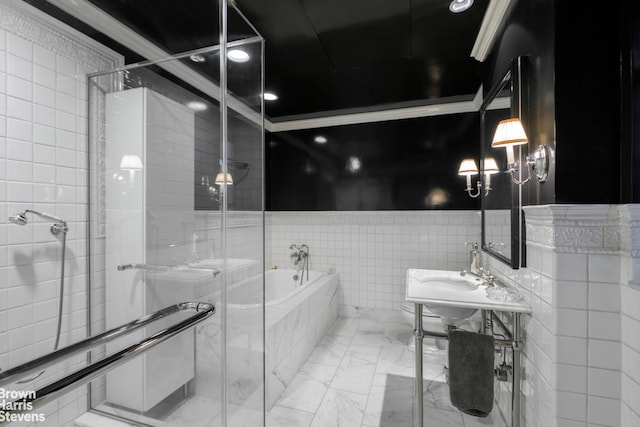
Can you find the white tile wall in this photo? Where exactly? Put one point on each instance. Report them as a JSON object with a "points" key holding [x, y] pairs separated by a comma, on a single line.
{"points": [[585, 315], [372, 250], [43, 148]]}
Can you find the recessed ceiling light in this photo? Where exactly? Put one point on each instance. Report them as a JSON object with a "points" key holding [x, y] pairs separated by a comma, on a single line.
{"points": [[353, 165], [268, 96], [238, 55], [198, 58], [197, 105], [458, 6], [320, 139]]}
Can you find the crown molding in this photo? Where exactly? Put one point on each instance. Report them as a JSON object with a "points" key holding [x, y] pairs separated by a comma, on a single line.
{"points": [[111, 27], [491, 24], [374, 116]]}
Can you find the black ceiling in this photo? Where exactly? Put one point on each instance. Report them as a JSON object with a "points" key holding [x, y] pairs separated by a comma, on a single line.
{"points": [[325, 55]]}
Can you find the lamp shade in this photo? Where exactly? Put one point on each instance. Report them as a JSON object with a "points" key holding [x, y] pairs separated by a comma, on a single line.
{"points": [[490, 166], [509, 133], [468, 167], [130, 162], [220, 179]]}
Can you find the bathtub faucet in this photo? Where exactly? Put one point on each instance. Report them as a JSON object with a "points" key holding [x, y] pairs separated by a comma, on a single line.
{"points": [[300, 258]]}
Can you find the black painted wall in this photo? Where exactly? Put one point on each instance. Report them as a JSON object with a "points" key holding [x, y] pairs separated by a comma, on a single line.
{"points": [[579, 95], [404, 164]]}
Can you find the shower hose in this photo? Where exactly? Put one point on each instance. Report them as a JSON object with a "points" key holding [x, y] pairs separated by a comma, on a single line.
{"points": [[56, 229]]}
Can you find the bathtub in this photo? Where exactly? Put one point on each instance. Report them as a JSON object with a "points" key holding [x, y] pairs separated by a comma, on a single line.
{"points": [[296, 318], [280, 286]]}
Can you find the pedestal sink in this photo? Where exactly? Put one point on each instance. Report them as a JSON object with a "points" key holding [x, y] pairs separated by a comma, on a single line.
{"points": [[452, 296]]}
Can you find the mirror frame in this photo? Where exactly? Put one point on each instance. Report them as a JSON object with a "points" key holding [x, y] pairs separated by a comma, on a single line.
{"points": [[515, 76]]}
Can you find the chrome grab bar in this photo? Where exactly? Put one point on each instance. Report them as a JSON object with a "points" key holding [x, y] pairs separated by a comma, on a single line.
{"points": [[94, 370], [151, 267], [146, 267]]}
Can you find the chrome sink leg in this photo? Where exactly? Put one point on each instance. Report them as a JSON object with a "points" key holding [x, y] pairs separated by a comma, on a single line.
{"points": [[418, 334]]}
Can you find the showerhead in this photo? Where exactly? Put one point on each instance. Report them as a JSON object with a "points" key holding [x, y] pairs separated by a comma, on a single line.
{"points": [[21, 218], [18, 219]]}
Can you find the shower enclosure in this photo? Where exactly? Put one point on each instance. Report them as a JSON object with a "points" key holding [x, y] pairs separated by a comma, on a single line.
{"points": [[176, 215]]}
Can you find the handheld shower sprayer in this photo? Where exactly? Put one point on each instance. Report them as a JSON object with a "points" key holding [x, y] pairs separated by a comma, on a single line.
{"points": [[59, 225]]}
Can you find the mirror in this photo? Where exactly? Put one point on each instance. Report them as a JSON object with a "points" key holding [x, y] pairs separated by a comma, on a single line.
{"points": [[501, 200]]}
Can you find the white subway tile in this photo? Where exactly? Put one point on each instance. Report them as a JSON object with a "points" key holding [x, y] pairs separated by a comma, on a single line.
{"points": [[604, 325], [44, 77], [571, 406], [44, 57], [44, 96], [604, 297], [570, 267], [571, 351], [45, 135], [570, 294], [604, 383], [21, 316], [603, 412], [19, 150], [18, 46], [19, 130], [19, 67], [65, 157], [604, 354], [19, 109], [20, 192], [604, 268], [19, 171], [571, 323], [570, 378], [65, 66], [44, 154], [629, 334], [21, 337], [631, 363], [66, 139], [42, 116], [19, 88]]}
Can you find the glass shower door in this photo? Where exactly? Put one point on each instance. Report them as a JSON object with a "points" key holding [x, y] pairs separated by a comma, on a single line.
{"points": [[177, 215]]}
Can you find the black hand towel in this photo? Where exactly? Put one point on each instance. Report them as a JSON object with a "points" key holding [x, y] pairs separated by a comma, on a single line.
{"points": [[471, 361]]}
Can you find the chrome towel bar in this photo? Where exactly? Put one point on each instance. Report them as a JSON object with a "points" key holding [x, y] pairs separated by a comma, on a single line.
{"points": [[94, 370], [151, 267]]}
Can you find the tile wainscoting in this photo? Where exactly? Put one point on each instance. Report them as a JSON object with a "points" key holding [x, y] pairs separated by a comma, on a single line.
{"points": [[371, 250], [581, 352]]}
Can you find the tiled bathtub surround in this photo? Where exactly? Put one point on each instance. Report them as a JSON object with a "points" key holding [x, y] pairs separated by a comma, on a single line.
{"points": [[581, 353], [43, 166], [372, 250]]}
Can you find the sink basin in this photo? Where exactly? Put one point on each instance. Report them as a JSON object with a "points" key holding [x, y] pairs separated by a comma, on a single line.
{"points": [[452, 296]]}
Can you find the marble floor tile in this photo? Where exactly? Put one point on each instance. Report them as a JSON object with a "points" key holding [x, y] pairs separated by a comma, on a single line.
{"points": [[355, 373], [286, 417], [330, 350], [340, 409], [195, 412], [366, 342], [372, 385], [308, 388], [344, 327]]}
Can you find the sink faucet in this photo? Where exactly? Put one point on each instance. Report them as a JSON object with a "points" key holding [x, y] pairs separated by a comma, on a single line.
{"points": [[484, 275], [474, 260]]}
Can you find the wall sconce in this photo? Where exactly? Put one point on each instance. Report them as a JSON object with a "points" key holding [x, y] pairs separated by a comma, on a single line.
{"points": [[132, 163], [468, 168], [510, 133], [221, 179], [490, 167]]}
